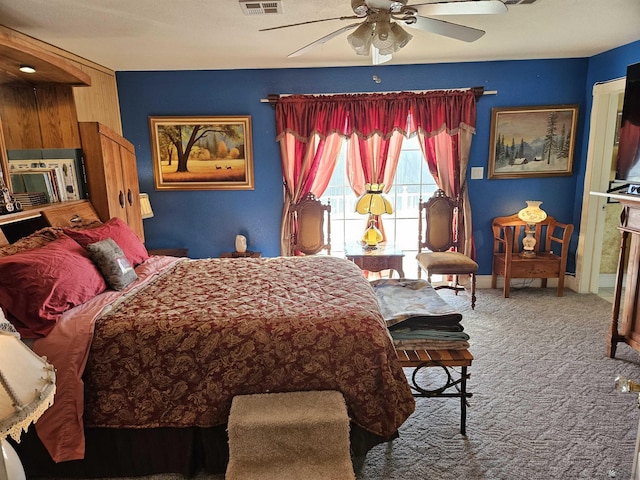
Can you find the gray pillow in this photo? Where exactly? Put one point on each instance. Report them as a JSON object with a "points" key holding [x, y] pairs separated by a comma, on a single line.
{"points": [[113, 263]]}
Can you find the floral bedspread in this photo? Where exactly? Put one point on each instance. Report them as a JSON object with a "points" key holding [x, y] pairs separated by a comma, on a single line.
{"points": [[175, 353]]}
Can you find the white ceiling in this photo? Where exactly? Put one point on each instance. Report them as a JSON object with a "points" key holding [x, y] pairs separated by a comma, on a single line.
{"points": [[215, 34]]}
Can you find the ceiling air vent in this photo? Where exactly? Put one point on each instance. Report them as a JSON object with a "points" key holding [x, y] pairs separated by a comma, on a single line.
{"points": [[251, 7], [518, 2]]}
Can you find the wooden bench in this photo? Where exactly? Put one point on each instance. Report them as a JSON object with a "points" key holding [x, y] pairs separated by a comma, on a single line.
{"points": [[425, 358]]}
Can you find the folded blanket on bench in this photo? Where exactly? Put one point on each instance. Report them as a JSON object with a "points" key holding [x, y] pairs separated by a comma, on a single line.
{"points": [[414, 303], [417, 317], [425, 344]]}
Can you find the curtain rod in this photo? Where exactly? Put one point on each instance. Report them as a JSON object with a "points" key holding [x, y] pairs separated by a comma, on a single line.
{"points": [[272, 98]]}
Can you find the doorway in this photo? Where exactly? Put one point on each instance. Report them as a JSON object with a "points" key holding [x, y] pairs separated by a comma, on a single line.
{"points": [[600, 217]]}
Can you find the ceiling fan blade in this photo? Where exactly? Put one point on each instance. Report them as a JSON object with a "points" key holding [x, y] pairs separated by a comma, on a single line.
{"points": [[322, 40], [448, 29], [351, 17], [472, 7]]}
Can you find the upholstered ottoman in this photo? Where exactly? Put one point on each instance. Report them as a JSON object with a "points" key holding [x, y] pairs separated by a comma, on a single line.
{"points": [[289, 436]]}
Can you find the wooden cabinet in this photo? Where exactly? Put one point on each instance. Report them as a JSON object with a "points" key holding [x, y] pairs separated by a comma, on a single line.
{"points": [[625, 321], [41, 111], [112, 175]]}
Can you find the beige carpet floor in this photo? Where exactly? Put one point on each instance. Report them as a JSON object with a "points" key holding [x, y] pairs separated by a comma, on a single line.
{"points": [[543, 406]]}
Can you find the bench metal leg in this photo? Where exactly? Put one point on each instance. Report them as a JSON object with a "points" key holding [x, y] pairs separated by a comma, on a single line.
{"points": [[463, 401], [459, 384]]}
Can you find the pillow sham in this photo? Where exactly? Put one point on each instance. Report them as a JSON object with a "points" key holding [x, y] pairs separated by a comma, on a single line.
{"points": [[39, 238], [39, 285], [112, 262], [120, 232]]}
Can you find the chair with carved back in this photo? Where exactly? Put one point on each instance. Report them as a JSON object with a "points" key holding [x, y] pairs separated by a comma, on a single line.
{"points": [[438, 233], [550, 251], [308, 233]]}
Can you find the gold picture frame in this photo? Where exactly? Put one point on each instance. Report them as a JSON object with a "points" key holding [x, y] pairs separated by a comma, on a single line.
{"points": [[202, 153], [532, 141]]}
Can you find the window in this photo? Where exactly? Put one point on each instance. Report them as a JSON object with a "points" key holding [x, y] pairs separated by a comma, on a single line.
{"points": [[413, 181]]}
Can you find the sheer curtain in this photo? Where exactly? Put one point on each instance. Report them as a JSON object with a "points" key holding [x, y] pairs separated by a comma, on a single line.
{"points": [[445, 124], [310, 130], [379, 123]]}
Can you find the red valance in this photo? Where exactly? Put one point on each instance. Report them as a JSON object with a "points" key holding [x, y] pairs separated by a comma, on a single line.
{"points": [[378, 113]]}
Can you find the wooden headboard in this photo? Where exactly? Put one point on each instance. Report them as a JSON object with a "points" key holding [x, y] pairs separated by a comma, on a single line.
{"points": [[66, 214]]}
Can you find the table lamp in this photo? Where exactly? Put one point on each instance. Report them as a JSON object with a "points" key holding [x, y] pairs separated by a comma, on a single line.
{"points": [[27, 387], [532, 214], [373, 203], [145, 206]]}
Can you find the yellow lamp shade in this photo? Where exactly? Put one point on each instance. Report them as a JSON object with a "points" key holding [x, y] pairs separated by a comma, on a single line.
{"points": [[373, 202]]}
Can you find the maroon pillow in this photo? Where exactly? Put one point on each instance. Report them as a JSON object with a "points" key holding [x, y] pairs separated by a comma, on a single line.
{"points": [[39, 285], [120, 232]]}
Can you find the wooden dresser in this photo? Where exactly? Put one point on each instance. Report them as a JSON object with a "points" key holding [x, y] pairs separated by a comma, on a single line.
{"points": [[625, 321]]}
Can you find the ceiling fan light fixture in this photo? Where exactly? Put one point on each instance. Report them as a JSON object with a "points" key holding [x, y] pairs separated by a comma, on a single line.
{"points": [[359, 7], [384, 39], [360, 39], [397, 6], [401, 36]]}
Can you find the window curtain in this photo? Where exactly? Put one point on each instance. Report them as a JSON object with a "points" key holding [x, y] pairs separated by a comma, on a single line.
{"points": [[310, 130], [445, 125], [379, 124], [373, 160]]}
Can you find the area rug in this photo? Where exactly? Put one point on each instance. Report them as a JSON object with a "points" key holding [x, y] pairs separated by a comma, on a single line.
{"points": [[543, 407]]}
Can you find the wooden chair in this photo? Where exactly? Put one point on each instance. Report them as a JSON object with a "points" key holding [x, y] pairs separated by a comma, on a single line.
{"points": [[438, 225], [551, 251], [307, 226]]}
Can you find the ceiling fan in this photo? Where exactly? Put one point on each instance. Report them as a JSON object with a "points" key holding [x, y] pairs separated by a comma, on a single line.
{"points": [[381, 34]]}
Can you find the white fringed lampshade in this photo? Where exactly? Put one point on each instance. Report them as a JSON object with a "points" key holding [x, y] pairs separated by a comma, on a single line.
{"points": [[27, 385]]}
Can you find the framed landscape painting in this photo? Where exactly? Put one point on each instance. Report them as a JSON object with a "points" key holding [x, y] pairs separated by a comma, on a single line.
{"points": [[202, 153], [532, 141]]}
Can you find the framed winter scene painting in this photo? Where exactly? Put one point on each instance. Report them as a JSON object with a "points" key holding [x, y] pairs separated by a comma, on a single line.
{"points": [[532, 141], [202, 153]]}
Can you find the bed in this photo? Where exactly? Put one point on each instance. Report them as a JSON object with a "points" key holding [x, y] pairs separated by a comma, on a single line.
{"points": [[147, 365]]}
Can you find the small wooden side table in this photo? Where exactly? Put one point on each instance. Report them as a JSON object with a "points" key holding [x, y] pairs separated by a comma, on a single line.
{"points": [[246, 254], [170, 252], [384, 257]]}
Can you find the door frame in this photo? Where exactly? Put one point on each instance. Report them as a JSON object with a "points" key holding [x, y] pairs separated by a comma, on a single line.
{"points": [[599, 158]]}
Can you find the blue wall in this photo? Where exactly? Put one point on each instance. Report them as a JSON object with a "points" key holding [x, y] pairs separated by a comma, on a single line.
{"points": [[206, 222]]}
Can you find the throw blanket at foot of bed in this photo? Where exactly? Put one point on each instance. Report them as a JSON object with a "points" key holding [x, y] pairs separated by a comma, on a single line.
{"points": [[417, 317]]}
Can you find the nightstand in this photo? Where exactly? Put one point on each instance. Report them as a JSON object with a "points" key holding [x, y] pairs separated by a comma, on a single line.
{"points": [[384, 257], [170, 252], [246, 254]]}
